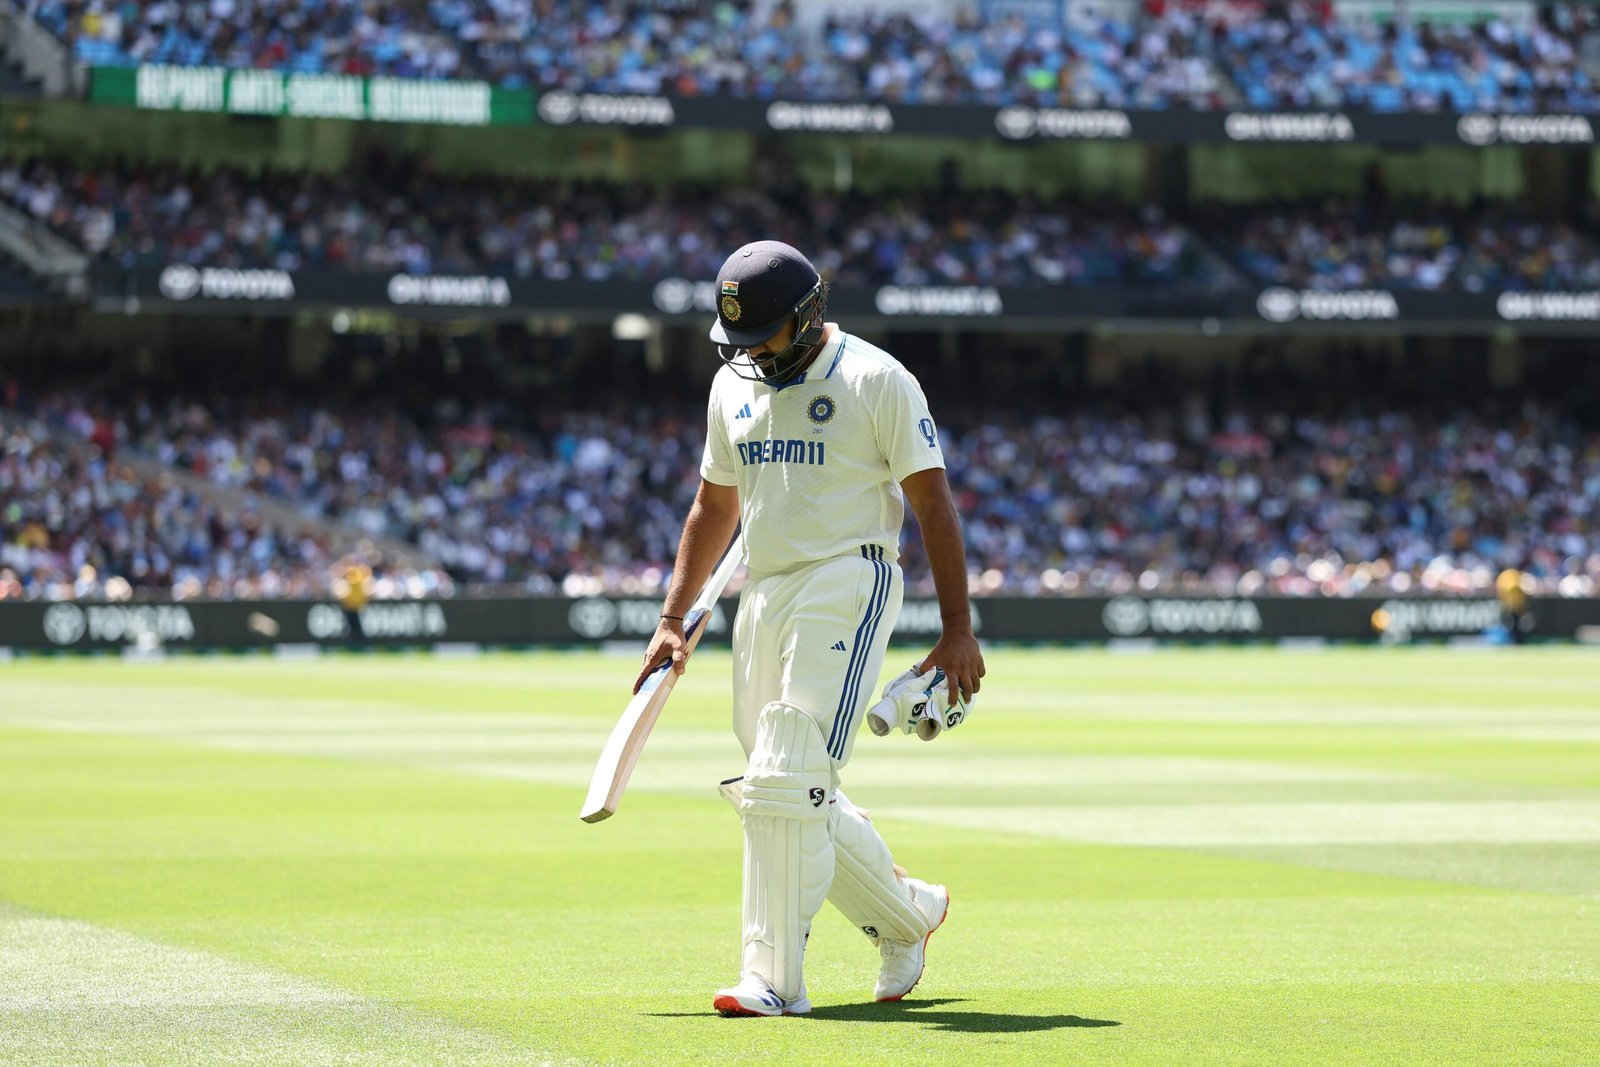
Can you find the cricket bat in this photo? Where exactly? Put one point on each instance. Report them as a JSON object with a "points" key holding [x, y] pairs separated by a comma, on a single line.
{"points": [[627, 738]]}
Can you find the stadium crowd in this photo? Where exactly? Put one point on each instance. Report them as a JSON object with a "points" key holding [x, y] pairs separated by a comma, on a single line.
{"points": [[1334, 243], [1300, 57], [1172, 53], [1269, 502], [82, 517], [572, 493], [395, 215], [316, 37], [1073, 502], [79, 523]]}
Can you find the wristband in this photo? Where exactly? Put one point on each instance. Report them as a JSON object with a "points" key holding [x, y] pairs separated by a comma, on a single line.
{"points": [[679, 618]]}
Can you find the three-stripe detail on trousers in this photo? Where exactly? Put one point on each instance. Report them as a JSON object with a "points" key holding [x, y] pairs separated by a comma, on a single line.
{"points": [[844, 715]]}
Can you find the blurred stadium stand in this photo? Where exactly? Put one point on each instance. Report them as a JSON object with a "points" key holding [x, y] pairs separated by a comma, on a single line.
{"points": [[1158, 54], [241, 347], [19, 286], [1259, 478], [13, 82], [395, 216]]}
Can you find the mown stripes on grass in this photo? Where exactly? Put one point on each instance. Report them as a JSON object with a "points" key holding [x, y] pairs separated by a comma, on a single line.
{"points": [[1231, 857]]}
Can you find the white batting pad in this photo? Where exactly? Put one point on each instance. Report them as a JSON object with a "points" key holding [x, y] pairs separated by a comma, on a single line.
{"points": [[867, 888], [732, 790], [788, 854]]}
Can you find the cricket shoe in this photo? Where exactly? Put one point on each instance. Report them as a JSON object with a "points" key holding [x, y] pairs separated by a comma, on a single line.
{"points": [[903, 963], [753, 996]]}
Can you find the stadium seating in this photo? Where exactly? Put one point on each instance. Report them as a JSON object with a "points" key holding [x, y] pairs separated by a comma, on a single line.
{"points": [[77, 519], [1491, 65], [1085, 500], [1262, 56], [394, 216], [1417, 244]]}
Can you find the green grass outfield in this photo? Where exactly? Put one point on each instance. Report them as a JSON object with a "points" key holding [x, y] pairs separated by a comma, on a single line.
{"points": [[1233, 856]]}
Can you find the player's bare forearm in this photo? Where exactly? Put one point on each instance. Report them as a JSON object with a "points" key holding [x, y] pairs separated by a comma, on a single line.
{"points": [[711, 522], [709, 527], [928, 493]]}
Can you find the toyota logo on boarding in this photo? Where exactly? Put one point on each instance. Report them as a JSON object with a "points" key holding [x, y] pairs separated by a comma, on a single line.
{"points": [[179, 282], [1480, 129], [1016, 123], [65, 624], [674, 295], [1477, 129], [1125, 616], [592, 617], [558, 108], [1278, 304]]}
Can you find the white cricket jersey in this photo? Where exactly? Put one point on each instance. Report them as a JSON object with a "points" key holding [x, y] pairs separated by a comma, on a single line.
{"points": [[819, 461]]}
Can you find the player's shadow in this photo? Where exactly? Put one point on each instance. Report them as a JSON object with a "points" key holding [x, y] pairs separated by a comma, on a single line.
{"points": [[963, 1022]]}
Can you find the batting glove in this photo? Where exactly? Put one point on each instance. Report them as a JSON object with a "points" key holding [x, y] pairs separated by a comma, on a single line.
{"points": [[918, 701]]}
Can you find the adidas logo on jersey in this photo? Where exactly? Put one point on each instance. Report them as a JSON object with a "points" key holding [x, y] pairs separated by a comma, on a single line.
{"points": [[838, 646], [742, 413]]}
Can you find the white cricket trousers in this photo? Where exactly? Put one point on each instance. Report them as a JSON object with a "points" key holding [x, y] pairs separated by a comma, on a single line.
{"points": [[815, 638]]}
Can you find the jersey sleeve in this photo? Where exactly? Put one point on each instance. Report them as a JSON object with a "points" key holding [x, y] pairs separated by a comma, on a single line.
{"points": [[907, 436], [716, 461]]}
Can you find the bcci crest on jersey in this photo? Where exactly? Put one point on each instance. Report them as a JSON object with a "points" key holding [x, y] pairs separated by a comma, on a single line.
{"points": [[779, 451], [821, 409]]}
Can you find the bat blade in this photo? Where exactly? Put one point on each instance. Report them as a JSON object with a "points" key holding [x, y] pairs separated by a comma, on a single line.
{"points": [[628, 736], [627, 740]]}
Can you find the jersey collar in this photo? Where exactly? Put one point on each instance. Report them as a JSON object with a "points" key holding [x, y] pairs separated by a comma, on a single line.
{"points": [[832, 352]]}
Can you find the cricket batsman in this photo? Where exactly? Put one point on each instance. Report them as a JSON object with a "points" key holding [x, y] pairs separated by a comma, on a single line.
{"points": [[815, 441]]}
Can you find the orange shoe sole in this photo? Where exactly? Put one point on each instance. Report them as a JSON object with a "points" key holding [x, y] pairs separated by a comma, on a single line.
{"points": [[730, 1006], [942, 917]]}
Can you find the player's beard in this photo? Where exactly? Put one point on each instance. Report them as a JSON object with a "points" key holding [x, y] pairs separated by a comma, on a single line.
{"points": [[779, 367]]}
